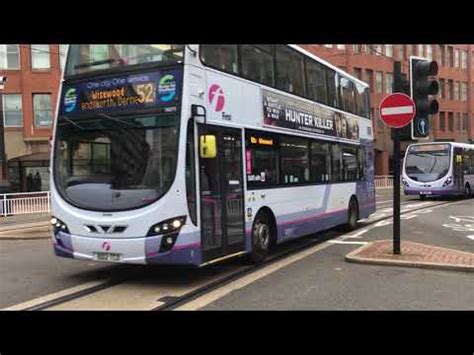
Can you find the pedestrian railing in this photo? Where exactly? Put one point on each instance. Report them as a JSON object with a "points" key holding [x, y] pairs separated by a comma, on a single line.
{"points": [[383, 181], [23, 203]]}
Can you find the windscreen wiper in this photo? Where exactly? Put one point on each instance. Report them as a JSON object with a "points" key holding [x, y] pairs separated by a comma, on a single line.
{"points": [[73, 123], [93, 64]]}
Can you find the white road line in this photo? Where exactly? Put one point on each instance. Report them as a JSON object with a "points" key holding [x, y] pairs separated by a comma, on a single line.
{"points": [[384, 201], [52, 296], [353, 242], [357, 235]]}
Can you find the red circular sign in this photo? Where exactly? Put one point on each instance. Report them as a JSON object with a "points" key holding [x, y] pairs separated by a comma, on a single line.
{"points": [[397, 110]]}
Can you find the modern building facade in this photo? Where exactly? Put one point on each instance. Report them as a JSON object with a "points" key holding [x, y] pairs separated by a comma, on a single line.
{"points": [[374, 64], [28, 107]]}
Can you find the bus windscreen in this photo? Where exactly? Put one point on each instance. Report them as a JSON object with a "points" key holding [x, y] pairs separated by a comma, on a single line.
{"points": [[427, 163], [87, 58]]}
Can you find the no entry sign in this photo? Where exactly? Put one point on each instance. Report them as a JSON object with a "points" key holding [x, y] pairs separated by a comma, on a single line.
{"points": [[397, 110]]}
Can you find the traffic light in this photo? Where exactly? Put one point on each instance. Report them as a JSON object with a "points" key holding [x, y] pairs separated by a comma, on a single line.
{"points": [[422, 86]]}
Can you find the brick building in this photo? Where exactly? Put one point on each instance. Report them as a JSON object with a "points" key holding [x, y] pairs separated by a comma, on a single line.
{"points": [[28, 105], [374, 64]]}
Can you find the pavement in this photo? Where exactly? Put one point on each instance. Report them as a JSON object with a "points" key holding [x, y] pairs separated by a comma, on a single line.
{"points": [[25, 226], [412, 255]]}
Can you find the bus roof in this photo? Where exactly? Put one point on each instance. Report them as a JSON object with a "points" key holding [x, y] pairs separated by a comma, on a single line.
{"points": [[309, 54], [454, 144]]}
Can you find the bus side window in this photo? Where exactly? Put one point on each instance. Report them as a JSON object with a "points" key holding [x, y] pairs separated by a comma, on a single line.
{"points": [[316, 81], [257, 63], [289, 70], [331, 88], [220, 56]]}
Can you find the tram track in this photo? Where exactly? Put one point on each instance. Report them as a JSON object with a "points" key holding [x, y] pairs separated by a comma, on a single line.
{"points": [[171, 302]]}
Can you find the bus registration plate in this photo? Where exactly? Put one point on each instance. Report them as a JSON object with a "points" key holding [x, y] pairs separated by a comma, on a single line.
{"points": [[107, 256]]}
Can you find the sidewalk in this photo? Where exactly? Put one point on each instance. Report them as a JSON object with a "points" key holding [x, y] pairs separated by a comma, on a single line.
{"points": [[25, 226], [412, 255]]}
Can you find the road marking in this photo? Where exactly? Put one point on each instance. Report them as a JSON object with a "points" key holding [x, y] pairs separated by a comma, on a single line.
{"points": [[384, 201], [52, 296], [350, 242], [357, 235], [470, 237]]}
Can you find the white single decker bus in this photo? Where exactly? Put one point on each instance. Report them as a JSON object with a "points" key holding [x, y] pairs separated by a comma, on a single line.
{"points": [[439, 169], [189, 154]]}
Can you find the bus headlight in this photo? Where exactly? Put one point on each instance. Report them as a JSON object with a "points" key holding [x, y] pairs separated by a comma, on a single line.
{"points": [[58, 225], [169, 226], [448, 181], [405, 183]]}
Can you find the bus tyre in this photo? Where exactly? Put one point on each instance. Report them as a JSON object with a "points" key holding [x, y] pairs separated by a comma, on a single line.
{"points": [[352, 215], [261, 238], [467, 191], [422, 197]]}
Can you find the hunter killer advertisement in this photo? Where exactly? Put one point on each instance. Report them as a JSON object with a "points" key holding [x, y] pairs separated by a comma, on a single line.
{"points": [[286, 112]]}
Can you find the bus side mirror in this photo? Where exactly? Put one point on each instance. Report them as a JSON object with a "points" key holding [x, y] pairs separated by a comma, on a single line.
{"points": [[207, 146], [198, 111]]}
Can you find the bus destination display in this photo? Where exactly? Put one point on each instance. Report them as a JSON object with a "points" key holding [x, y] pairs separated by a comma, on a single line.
{"points": [[123, 92]]}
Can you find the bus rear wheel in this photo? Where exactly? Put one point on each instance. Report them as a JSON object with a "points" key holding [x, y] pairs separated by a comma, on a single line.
{"points": [[353, 215], [467, 191], [262, 234], [422, 197]]}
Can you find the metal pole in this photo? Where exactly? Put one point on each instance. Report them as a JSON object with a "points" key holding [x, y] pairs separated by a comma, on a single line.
{"points": [[397, 87]]}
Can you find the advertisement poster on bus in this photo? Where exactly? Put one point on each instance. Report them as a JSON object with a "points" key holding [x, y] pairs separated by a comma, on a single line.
{"points": [[286, 112], [133, 91]]}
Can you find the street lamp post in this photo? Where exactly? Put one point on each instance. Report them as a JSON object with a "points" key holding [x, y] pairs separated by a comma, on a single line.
{"points": [[3, 159]]}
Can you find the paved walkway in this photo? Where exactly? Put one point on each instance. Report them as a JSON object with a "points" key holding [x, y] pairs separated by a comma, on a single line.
{"points": [[412, 255], [24, 219]]}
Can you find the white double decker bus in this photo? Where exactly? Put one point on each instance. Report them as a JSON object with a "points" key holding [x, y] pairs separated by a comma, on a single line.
{"points": [[188, 154]]}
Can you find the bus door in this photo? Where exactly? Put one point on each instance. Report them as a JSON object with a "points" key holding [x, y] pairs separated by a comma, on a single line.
{"points": [[458, 169], [222, 193]]}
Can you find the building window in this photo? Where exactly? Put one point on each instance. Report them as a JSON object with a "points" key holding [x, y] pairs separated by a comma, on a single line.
{"points": [[12, 110], [355, 48], [369, 78], [456, 90], [451, 121], [358, 73], [450, 57], [341, 46], [442, 84], [401, 52], [363, 48], [450, 89], [442, 121], [456, 58], [378, 49], [389, 50], [429, 51], [441, 55], [464, 91], [40, 56], [420, 50], [464, 121], [42, 110], [464, 59], [62, 55], [458, 121], [388, 83], [378, 82], [9, 56], [409, 50], [328, 45]]}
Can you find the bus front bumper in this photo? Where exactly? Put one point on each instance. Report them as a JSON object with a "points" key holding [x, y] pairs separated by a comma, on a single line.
{"points": [[431, 191], [129, 251]]}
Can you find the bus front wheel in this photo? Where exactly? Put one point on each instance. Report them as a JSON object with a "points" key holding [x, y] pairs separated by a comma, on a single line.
{"points": [[261, 238], [422, 197]]}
